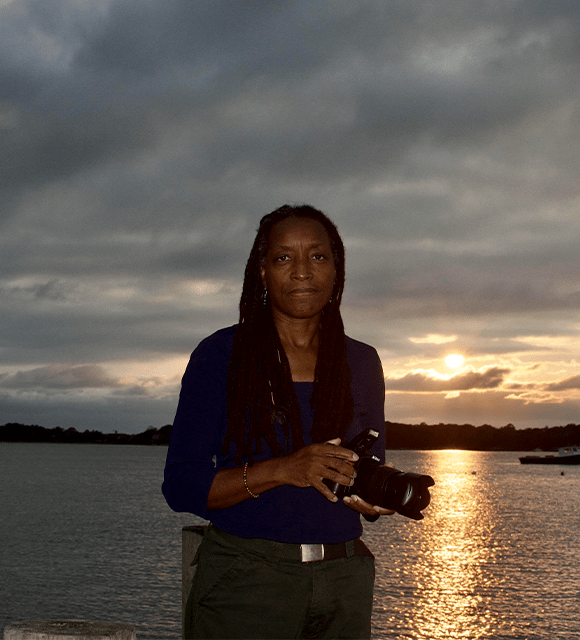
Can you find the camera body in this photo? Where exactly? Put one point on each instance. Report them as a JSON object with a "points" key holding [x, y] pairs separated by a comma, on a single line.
{"points": [[405, 493]]}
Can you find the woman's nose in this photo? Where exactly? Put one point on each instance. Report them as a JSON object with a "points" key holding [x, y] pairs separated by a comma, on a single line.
{"points": [[303, 269]]}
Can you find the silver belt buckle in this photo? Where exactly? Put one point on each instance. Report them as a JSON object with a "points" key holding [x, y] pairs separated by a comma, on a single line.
{"points": [[312, 552]]}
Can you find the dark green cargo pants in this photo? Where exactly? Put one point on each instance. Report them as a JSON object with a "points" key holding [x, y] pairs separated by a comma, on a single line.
{"points": [[258, 589]]}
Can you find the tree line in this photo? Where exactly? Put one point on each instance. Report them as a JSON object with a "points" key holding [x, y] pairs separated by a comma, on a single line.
{"points": [[398, 436], [482, 438], [14, 432]]}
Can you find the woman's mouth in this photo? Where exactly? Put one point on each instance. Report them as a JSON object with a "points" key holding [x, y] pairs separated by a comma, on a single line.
{"points": [[303, 291]]}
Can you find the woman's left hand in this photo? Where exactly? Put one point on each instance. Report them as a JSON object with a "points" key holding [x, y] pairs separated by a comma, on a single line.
{"points": [[358, 504]]}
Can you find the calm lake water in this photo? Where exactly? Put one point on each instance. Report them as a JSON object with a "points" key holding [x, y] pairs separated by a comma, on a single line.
{"points": [[85, 533]]}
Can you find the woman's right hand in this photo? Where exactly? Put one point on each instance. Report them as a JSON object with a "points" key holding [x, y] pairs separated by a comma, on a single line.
{"points": [[309, 466]]}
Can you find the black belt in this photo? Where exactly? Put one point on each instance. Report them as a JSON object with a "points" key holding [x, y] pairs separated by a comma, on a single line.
{"points": [[333, 551], [295, 552]]}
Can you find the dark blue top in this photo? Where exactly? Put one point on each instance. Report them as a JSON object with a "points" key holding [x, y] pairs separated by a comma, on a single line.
{"points": [[286, 513]]}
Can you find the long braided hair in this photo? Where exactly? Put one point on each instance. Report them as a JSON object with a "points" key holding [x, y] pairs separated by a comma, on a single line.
{"points": [[260, 390]]}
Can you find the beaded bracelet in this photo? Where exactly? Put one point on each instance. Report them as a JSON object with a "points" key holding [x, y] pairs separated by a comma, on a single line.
{"points": [[246, 482]]}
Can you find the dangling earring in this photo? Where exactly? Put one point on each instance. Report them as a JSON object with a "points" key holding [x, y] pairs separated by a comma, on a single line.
{"points": [[332, 297], [265, 297]]}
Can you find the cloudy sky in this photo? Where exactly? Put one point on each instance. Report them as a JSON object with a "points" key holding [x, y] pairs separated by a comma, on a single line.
{"points": [[141, 142]]}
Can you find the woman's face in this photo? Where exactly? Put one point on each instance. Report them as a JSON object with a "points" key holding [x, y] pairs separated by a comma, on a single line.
{"points": [[299, 271]]}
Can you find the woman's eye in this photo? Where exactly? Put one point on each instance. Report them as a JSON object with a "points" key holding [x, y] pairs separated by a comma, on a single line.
{"points": [[319, 256], [282, 258]]}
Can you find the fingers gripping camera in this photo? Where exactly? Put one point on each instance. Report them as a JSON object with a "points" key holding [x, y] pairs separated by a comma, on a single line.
{"points": [[405, 493]]}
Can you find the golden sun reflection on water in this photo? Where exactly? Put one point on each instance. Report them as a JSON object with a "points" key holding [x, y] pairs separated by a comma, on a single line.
{"points": [[496, 556], [440, 587], [452, 552]]}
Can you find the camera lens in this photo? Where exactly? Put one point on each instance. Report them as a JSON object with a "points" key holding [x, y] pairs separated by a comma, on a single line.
{"points": [[406, 493]]}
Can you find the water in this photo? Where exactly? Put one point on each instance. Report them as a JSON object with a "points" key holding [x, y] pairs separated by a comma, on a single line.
{"points": [[497, 556], [85, 533]]}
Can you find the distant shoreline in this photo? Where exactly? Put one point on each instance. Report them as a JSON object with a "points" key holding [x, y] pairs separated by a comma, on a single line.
{"points": [[14, 432], [399, 436]]}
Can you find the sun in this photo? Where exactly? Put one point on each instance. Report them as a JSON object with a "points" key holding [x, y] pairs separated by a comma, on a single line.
{"points": [[454, 360]]}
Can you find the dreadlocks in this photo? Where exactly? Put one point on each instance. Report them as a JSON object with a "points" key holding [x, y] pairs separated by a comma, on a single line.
{"points": [[259, 385]]}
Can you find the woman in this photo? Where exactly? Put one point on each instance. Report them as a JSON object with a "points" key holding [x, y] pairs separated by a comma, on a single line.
{"points": [[263, 409]]}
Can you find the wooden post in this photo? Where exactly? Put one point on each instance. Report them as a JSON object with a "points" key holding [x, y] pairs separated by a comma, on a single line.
{"points": [[191, 537], [69, 630]]}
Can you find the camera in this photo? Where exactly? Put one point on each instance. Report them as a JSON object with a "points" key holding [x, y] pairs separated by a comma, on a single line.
{"points": [[405, 493]]}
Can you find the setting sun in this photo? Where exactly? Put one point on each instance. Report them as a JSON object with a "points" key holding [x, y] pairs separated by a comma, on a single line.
{"points": [[454, 360]]}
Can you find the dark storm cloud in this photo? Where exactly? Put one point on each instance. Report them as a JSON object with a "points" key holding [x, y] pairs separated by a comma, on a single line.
{"points": [[127, 75], [59, 377], [563, 385], [90, 331], [104, 414], [487, 378], [49, 290], [497, 274]]}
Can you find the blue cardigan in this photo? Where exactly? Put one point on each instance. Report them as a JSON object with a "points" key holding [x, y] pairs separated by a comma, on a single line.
{"points": [[286, 513]]}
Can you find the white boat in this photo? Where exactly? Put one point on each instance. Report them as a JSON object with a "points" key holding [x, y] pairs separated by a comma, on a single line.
{"points": [[566, 455]]}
